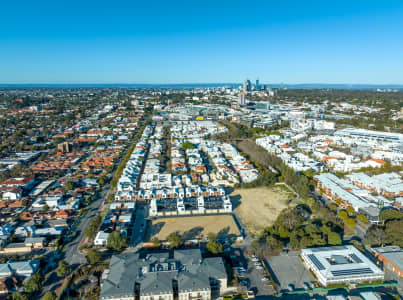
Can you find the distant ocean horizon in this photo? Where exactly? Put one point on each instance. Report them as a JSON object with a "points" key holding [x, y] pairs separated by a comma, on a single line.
{"points": [[200, 85]]}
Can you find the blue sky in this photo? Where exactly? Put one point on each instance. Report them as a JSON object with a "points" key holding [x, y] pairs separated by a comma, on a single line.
{"points": [[70, 41]]}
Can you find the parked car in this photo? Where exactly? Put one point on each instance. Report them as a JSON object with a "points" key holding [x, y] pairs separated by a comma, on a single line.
{"points": [[244, 282], [251, 294]]}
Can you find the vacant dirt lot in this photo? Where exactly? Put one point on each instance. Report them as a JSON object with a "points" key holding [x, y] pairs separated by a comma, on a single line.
{"points": [[195, 226], [259, 207]]}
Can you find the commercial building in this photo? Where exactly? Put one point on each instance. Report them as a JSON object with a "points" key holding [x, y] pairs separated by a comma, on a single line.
{"points": [[370, 134], [340, 265], [391, 258]]}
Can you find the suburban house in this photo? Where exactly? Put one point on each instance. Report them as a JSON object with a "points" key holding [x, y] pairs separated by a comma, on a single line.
{"points": [[19, 268]]}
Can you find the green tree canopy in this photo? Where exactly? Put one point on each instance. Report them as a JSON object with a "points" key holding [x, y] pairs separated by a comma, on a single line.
{"points": [[93, 256], [116, 241], [174, 240], [93, 227], [50, 295], [19, 296], [351, 222], [212, 245], [350, 211], [62, 269], [375, 236], [390, 214], [187, 145], [34, 283], [334, 238], [342, 214], [394, 232]]}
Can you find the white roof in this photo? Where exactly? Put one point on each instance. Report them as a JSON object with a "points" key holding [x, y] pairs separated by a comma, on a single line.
{"points": [[340, 262]]}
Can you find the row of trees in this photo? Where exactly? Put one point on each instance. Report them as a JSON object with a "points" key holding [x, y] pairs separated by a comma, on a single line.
{"points": [[93, 227], [175, 240]]}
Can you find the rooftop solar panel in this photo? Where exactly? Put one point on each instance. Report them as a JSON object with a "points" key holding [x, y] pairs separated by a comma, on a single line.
{"points": [[347, 272], [331, 248], [316, 262], [356, 258]]}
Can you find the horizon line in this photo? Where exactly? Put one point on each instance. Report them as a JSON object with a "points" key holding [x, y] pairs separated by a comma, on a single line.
{"points": [[194, 83]]}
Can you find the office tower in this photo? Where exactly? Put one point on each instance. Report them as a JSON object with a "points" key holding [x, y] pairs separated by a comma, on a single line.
{"points": [[257, 85], [247, 85], [242, 100]]}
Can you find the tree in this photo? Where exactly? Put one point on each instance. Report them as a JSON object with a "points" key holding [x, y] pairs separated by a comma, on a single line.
{"points": [[19, 296], [255, 247], [351, 222], [350, 211], [390, 214], [393, 232], [156, 242], [34, 283], [375, 236], [187, 145], [363, 218], [62, 269], [93, 256], [116, 241], [93, 227], [283, 232], [50, 295], [174, 240], [289, 218], [333, 238], [101, 180], [70, 185], [212, 245], [273, 244], [342, 214], [332, 206]]}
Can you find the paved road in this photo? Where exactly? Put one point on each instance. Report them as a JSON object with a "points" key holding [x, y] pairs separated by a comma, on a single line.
{"points": [[139, 226], [72, 254]]}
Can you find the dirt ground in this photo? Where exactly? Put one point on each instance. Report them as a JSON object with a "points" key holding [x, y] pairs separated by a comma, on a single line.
{"points": [[195, 226], [259, 207]]}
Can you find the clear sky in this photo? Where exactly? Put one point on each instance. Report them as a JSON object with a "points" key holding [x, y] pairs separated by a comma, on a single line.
{"points": [[201, 41]]}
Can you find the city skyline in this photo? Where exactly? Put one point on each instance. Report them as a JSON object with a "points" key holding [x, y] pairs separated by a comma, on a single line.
{"points": [[181, 42]]}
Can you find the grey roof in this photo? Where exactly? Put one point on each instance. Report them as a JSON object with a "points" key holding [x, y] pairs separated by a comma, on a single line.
{"points": [[154, 273], [120, 281], [34, 240], [188, 282], [188, 256], [157, 283], [393, 253], [214, 267], [25, 268]]}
